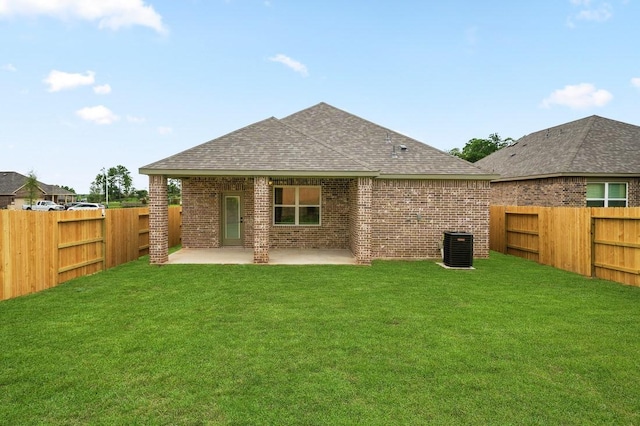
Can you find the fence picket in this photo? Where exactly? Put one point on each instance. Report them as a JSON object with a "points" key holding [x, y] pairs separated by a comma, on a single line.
{"points": [[598, 242], [39, 250]]}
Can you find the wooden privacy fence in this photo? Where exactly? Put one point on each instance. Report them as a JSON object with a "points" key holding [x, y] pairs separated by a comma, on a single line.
{"points": [[39, 250], [597, 242]]}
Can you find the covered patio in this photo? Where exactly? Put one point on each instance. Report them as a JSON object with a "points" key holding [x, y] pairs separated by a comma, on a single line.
{"points": [[239, 255]]}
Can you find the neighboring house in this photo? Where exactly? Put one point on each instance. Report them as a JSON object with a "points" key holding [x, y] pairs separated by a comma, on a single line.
{"points": [[591, 162], [320, 178], [13, 193]]}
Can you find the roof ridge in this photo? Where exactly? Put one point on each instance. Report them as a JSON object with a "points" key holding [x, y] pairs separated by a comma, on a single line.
{"points": [[219, 137], [581, 140], [394, 132], [326, 145]]}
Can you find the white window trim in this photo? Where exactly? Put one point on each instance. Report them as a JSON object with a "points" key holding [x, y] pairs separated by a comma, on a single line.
{"points": [[606, 193], [297, 205]]}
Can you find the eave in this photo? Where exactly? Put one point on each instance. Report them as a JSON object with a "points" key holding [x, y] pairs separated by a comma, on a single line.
{"points": [[279, 173], [557, 175], [313, 173], [440, 176]]}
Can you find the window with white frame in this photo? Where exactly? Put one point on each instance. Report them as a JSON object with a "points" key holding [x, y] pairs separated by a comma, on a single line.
{"points": [[607, 194], [296, 205]]}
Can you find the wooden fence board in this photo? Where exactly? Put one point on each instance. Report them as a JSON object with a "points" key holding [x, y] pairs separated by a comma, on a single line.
{"points": [[600, 242], [39, 250]]}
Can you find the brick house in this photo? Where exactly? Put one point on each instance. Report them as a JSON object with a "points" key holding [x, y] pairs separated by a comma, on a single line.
{"points": [[320, 178], [592, 162], [13, 193]]}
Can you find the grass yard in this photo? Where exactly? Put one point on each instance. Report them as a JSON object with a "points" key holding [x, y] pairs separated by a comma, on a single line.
{"points": [[512, 342]]}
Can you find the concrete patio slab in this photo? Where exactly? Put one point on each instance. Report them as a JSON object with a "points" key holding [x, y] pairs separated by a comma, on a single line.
{"points": [[232, 255]]}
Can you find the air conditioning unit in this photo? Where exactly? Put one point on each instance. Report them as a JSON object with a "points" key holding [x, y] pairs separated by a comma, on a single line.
{"points": [[458, 249]]}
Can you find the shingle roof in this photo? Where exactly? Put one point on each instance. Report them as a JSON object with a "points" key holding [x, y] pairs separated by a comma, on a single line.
{"points": [[374, 144], [318, 140], [11, 182], [587, 147], [268, 145]]}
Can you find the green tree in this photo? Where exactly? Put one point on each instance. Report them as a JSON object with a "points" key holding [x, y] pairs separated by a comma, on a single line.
{"points": [[68, 188], [120, 179], [116, 181], [174, 190], [32, 186], [97, 189], [477, 148]]}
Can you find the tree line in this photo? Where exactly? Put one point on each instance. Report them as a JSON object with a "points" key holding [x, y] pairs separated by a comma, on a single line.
{"points": [[478, 148]]}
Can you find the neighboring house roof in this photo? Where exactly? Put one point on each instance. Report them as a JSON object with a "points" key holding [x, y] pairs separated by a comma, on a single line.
{"points": [[11, 183], [56, 190], [318, 141], [593, 146]]}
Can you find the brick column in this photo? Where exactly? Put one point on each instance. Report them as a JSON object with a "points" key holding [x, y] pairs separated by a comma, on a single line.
{"points": [[261, 223], [363, 221], [158, 220]]}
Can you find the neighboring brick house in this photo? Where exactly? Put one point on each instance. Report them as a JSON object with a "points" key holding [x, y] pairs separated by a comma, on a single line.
{"points": [[591, 162], [320, 178], [13, 193]]}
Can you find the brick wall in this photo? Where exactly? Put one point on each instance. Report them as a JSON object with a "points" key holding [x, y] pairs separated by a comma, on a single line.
{"points": [[634, 192], [201, 210], [201, 198], [380, 218], [552, 192], [261, 220], [5, 200], [360, 219], [158, 220], [333, 233], [409, 217]]}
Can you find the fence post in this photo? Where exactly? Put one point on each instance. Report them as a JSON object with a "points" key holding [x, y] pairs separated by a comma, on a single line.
{"points": [[506, 232], [104, 239], [593, 247]]}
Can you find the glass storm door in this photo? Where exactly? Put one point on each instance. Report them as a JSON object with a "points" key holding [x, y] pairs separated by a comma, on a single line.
{"points": [[231, 220]]}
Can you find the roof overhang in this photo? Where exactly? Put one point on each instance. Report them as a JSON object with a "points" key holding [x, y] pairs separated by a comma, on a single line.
{"points": [[557, 175], [312, 173], [279, 173], [440, 176]]}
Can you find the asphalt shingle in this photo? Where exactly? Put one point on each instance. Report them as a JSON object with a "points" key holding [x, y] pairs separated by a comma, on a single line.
{"points": [[590, 146], [318, 139]]}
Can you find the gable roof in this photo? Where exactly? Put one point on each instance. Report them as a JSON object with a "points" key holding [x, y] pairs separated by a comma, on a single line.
{"points": [[265, 146], [12, 182], [319, 141], [592, 146]]}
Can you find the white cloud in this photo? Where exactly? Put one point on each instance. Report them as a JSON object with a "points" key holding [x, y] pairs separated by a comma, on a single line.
{"points": [[97, 114], [104, 89], [134, 119], [9, 67], [636, 82], [59, 80], [291, 63], [590, 12], [578, 96], [165, 130], [600, 14], [111, 14]]}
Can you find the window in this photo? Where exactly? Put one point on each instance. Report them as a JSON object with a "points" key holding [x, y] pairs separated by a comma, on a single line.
{"points": [[607, 194], [296, 205]]}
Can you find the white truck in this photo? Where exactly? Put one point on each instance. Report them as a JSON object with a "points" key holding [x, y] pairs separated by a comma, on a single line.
{"points": [[43, 206]]}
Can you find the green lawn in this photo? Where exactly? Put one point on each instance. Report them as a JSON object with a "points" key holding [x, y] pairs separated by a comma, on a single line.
{"points": [[511, 342]]}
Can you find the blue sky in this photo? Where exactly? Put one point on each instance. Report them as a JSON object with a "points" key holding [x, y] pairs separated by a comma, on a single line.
{"points": [[92, 84]]}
